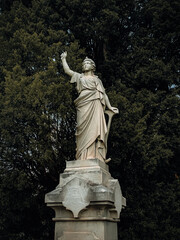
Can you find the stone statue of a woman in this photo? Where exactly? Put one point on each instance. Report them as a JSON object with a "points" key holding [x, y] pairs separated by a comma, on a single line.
{"points": [[91, 131]]}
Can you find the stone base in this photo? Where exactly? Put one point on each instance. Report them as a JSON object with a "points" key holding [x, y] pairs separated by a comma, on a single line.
{"points": [[87, 202], [86, 230]]}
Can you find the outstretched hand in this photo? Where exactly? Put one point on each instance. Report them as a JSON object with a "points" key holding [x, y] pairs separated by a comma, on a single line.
{"points": [[63, 55]]}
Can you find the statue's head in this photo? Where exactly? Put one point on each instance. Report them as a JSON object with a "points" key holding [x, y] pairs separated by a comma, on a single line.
{"points": [[90, 62]]}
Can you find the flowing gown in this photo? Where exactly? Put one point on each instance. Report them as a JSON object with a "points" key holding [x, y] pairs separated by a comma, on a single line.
{"points": [[91, 127]]}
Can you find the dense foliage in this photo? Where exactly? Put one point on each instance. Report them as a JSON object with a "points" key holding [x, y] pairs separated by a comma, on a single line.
{"points": [[135, 46]]}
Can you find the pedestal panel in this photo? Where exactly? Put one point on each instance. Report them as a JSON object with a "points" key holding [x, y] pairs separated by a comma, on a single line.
{"points": [[87, 202]]}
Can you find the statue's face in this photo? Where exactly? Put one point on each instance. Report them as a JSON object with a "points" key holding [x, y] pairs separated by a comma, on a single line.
{"points": [[87, 66]]}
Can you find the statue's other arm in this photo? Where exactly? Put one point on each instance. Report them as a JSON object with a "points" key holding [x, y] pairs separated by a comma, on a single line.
{"points": [[108, 105], [66, 68]]}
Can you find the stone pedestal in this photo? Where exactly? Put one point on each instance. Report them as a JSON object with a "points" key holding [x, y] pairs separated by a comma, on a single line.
{"points": [[87, 202]]}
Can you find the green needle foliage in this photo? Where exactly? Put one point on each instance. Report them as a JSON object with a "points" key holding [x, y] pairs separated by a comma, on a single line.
{"points": [[135, 45]]}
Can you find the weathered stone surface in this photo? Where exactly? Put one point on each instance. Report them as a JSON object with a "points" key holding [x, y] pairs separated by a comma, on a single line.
{"points": [[103, 230], [92, 170], [118, 198], [78, 236], [76, 195], [88, 163], [80, 185], [87, 199]]}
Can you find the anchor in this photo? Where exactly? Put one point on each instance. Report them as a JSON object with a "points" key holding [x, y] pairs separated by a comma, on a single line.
{"points": [[110, 116]]}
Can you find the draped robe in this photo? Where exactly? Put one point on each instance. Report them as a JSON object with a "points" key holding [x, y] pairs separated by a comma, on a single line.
{"points": [[91, 127]]}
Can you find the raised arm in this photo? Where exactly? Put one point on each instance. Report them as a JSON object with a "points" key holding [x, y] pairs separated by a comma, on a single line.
{"points": [[67, 70]]}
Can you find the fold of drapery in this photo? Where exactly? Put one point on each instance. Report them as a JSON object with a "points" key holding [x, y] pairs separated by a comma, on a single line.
{"points": [[91, 125]]}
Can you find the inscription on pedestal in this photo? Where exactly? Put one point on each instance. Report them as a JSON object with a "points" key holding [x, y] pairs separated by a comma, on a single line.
{"points": [[76, 195], [78, 236]]}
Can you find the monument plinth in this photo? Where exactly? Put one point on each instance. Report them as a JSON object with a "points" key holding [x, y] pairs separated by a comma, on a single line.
{"points": [[87, 202]]}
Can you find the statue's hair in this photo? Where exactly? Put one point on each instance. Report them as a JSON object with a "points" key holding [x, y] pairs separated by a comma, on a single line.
{"points": [[91, 61]]}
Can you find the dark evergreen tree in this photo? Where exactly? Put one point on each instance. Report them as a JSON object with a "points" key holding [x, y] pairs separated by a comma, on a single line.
{"points": [[37, 116]]}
